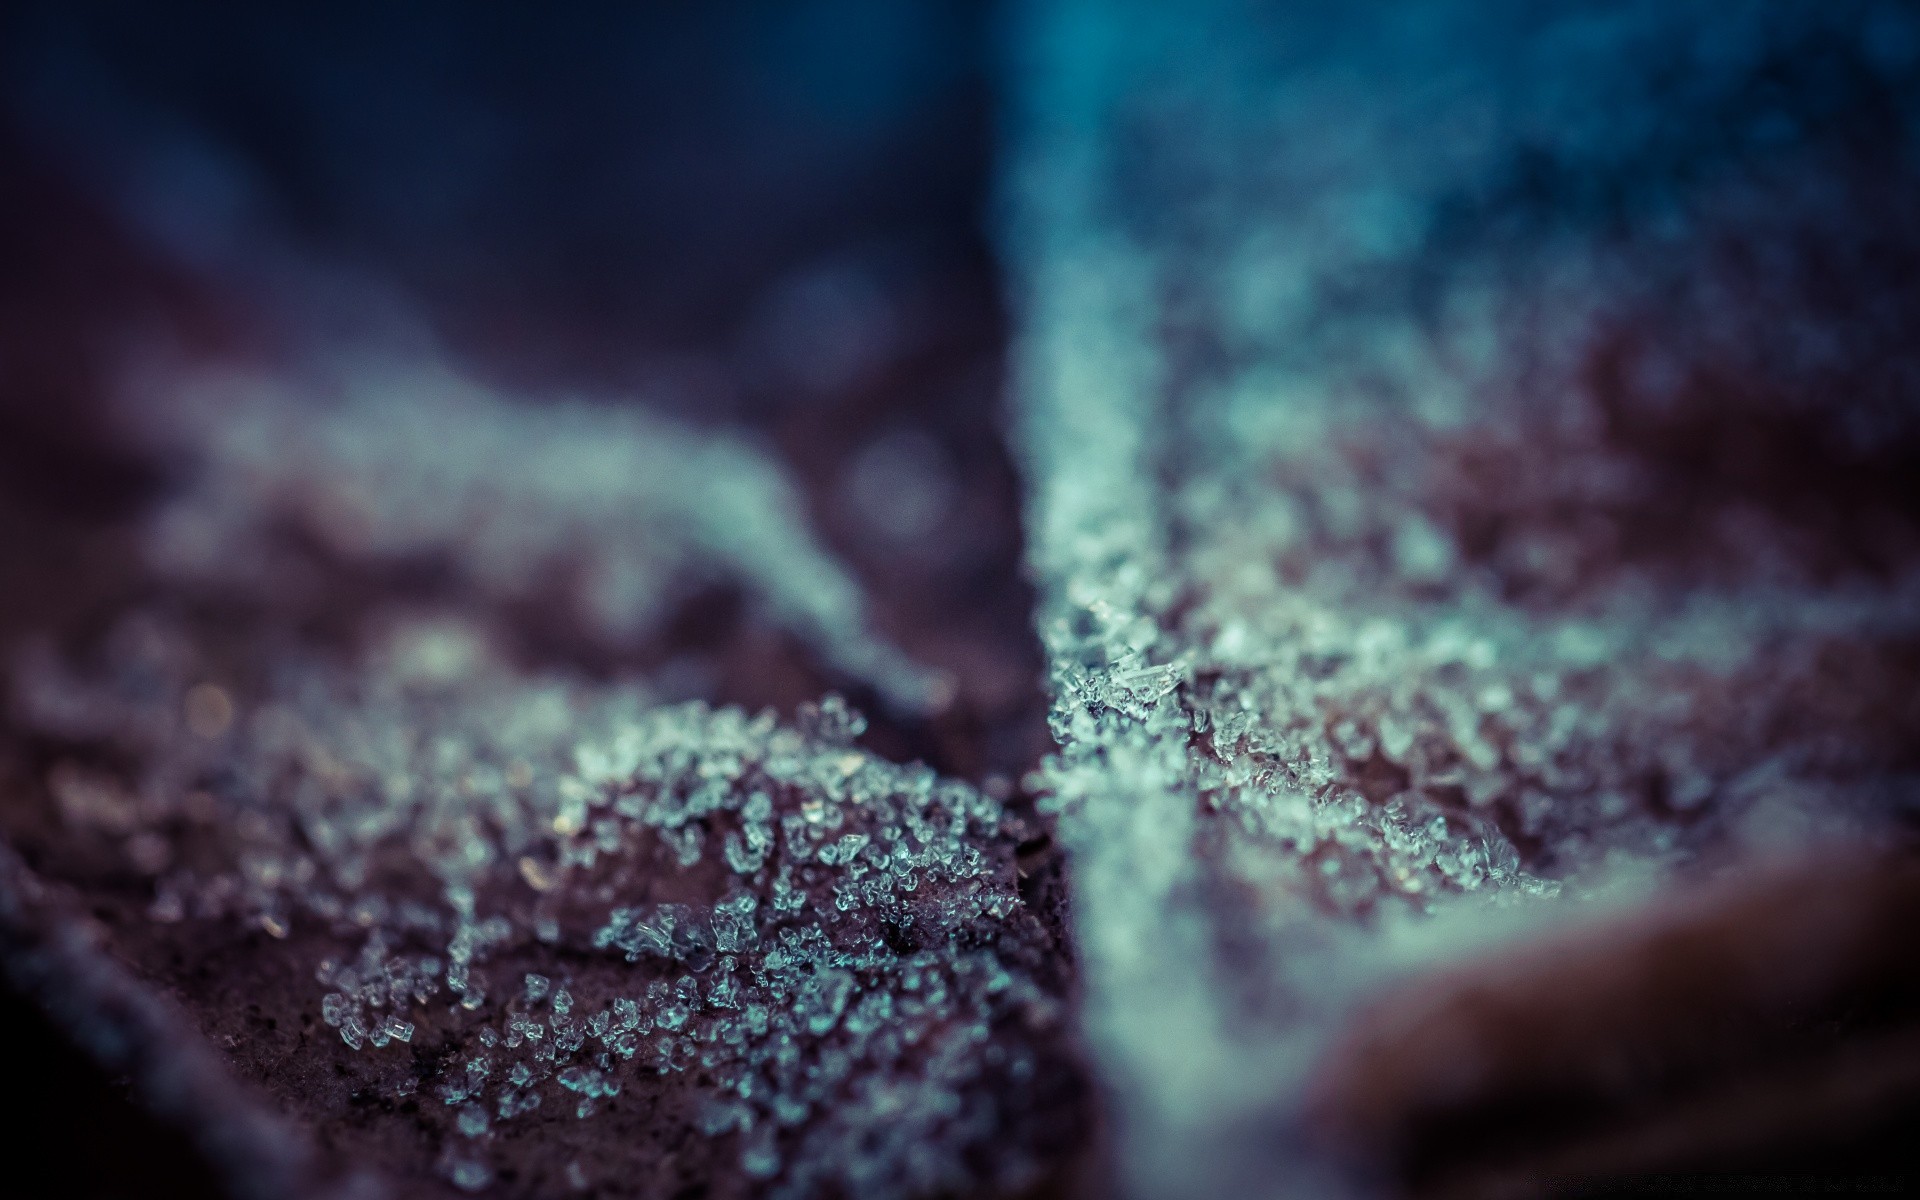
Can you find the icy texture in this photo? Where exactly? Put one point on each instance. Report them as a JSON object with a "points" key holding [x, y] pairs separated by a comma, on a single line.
{"points": [[613, 512], [827, 940], [569, 898], [1357, 608]]}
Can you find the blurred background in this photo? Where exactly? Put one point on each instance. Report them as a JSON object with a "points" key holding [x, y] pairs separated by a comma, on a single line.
{"points": [[758, 217]]}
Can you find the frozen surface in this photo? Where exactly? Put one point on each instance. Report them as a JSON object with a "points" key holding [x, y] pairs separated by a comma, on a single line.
{"points": [[610, 513], [1355, 356], [521, 896], [1459, 496]]}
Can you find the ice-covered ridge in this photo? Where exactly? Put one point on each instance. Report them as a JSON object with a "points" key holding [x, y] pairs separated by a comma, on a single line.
{"points": [[613, 511], [1360, 602]]}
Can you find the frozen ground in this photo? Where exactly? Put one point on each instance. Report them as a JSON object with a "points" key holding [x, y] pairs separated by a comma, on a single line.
{"points": [[1464, 456]]}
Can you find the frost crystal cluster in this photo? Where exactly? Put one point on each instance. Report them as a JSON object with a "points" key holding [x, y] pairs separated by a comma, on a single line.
{"points": [[1368, 593], [525, 901]]}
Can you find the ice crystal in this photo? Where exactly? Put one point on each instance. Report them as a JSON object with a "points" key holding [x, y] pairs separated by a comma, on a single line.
{"points": [[469, 1176], [1343, 628], [872, 942]]}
